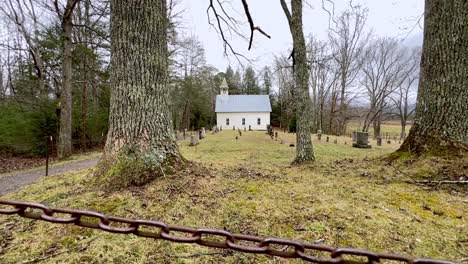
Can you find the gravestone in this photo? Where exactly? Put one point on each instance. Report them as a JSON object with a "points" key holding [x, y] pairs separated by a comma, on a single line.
{"points": [[220, 128], [362, 139], [193, 140], [185, 133], [245, 129], [379, 141], [354, 136], [250, 128], [335, 141], [389, 142], [328, 139], [319, 134], [177, 133], [240, 133], [237, 137], [276, 134], [200, 134], [233, 127], [203, 132]]}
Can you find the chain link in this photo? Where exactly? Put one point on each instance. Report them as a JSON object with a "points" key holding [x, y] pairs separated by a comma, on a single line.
{"points": [[215, 238]]}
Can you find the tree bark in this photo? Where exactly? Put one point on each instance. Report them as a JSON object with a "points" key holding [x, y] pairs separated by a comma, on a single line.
{"points": [[304, 148], [441, 121], [64, 146], [141, 143]]}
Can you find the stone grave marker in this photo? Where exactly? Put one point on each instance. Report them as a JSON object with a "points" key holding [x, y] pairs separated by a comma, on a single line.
{"points": [[362, 139], [193, 140], [379, 141], [354, 136], [185, 133], [328, 139]]}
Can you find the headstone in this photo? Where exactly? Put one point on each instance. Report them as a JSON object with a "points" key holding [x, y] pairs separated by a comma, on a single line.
{"points": [[379, 141], [319, 136], [354, 135], [185, 133], [203, 132], [362, 139], [200, 134], [240, 133], [233, 127], [177, 135], [193, 140], [250, 128], [237, 137], [328, 139], [220, 128], [335, 141], [389, 142], [245, 129], [346, 143], [276, 134]]}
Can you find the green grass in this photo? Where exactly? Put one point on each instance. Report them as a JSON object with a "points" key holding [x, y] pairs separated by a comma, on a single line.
{"points": [[248, 185]]}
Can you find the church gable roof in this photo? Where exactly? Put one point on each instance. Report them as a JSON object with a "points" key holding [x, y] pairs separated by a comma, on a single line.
{"points": [[242, 103]]}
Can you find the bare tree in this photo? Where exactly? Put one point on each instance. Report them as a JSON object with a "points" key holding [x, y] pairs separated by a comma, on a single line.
{"points": [[304, 148], [23, 14], [441, 121], [324, 77], [383, 71], [64, 146], [348, 40], [140, 142], [285, 83], [402, 95]]}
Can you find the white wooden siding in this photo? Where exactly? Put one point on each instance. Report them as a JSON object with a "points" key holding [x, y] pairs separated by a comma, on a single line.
{"points": [[235, 120]]}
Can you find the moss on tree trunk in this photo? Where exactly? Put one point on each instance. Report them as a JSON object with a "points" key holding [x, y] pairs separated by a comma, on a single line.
{"points": [[140, 143], [304, 147], [441, 122]]}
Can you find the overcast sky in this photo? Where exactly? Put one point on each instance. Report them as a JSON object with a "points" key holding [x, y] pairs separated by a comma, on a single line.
{"points": [[397, 18]]}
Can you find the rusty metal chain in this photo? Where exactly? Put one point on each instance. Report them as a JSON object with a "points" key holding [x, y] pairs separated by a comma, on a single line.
{"points": [[218, 238]]}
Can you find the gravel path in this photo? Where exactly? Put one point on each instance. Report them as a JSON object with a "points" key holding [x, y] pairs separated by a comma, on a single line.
{"points": [[15, 180]]}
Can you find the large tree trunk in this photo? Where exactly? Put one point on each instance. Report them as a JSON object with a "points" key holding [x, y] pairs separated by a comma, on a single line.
{"points": [[304, 148], [64, 146], [441, 121], [141, 143]]}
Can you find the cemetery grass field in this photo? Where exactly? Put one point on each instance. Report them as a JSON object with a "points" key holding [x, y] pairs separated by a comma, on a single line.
{"points": [[349, 198]]}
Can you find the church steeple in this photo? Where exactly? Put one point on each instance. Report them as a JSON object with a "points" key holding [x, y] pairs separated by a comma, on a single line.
{"points": [[224, 88]]}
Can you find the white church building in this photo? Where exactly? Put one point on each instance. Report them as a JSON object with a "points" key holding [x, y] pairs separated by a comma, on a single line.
{"points": [[242, 111]]}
